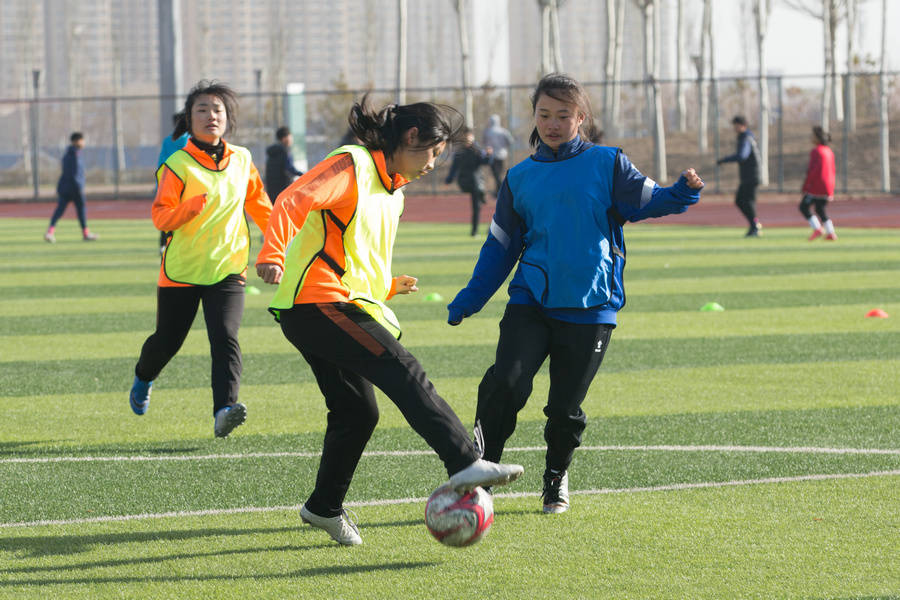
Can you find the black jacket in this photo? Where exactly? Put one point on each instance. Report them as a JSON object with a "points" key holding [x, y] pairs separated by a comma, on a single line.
{"points": [[280, 170]]}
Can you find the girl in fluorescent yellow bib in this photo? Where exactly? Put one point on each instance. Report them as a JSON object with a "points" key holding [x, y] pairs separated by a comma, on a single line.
{"points": [[204, 190]]}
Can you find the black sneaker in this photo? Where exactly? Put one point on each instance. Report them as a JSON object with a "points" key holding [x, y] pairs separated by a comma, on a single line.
{"points": [[556, 492], [755, 230]]}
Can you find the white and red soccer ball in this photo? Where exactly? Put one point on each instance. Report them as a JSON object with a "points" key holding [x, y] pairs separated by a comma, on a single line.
{"points": [[459, 520]]}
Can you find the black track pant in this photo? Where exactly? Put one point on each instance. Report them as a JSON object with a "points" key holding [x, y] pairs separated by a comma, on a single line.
{"points": [[349, 352], [61, 204], [176, 307], [477, 201], [745, 198], [527, 338], [819, 204]]}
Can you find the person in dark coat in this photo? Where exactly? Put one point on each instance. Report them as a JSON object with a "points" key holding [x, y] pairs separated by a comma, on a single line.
{"points": [[466, 169], [70, 188], [280, 169], [747, 157]]}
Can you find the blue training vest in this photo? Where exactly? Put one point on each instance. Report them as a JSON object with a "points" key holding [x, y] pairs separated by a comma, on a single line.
{"points": [[574, 254]]}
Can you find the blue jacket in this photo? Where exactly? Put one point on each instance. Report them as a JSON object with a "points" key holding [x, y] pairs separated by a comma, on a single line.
{"points": [[170, 146], [560, 216], [71, 181]]}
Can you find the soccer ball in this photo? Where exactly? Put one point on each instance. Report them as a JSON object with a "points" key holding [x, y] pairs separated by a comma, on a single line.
{"points": [[459, 520]]}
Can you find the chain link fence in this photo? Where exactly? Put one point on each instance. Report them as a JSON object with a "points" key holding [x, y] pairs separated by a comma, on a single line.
{"points": [[123, 137]]}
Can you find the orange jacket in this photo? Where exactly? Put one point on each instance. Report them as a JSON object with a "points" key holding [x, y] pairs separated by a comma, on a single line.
{"points": [[330, 185], [170, 211]]}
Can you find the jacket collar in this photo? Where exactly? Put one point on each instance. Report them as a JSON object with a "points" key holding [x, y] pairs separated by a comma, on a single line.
{"points": [[567, 150], [390, 182], [204, 159]]}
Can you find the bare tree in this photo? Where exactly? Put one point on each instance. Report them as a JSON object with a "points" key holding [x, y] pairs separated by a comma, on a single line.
{"points": [[701, 62], [402, 20], [762, 10], [883, 124], [650, 16], [551, 56], [850, 109], [615, 29], [680, 100], [462, 16], [829, 12]]}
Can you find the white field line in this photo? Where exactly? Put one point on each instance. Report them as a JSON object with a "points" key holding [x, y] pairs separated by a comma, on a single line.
{"points": [[663, 448], [392, 501]]}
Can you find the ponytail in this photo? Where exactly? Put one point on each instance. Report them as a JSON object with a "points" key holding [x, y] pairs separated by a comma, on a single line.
{"points": [[181, 125], [385, 129]]}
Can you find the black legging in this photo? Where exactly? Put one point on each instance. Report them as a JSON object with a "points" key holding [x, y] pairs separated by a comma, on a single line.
{"points": [[745, 198], [818, 202], [176, 307]]}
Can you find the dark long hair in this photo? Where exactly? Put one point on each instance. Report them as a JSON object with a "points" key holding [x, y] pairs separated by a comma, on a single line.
{"points": [[384, 129], [211, 88], [565, 89], [822, 136]]}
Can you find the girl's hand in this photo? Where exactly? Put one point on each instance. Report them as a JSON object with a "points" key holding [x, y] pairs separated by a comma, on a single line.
{"points": [[268, 272], [404, 284], [693, 179]]}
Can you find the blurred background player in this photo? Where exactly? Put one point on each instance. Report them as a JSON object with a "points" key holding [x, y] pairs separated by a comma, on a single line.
{"points": [[170, 144], [747, 157], [498, 141], [559, 215], [466, 169], [818, 188], [203, 191], [329, 246], [70, 188], [280, 169]]}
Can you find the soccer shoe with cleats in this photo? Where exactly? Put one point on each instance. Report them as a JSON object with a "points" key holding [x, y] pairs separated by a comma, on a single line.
{"points": [[556, 492], [139, 398], [831, 237], [90, 237], [340, 528], [817, 234], [228, 418], [49, 237], [484, 473]]}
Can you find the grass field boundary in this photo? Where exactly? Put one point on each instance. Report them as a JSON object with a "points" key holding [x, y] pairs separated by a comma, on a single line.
{"points": [[394, 501], [373, 453]]}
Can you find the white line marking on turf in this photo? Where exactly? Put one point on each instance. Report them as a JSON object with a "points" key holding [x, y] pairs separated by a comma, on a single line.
{"points": [[391, 501], [662, 448]]}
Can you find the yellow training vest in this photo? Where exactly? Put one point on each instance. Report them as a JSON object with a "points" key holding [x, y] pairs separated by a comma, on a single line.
{"points": [[215, 243], [368, 242]]}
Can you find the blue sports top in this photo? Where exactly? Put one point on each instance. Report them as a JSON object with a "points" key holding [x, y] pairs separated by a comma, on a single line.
{"points": [[559, 216]]}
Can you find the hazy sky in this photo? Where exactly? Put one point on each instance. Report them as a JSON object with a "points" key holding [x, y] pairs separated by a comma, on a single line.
{"points": [[795, 39]]}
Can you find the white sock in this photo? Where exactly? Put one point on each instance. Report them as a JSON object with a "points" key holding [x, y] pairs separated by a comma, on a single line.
{"points": [[814, 222], [829, 226]]}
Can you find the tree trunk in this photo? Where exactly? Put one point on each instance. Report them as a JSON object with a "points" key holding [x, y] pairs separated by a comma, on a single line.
{"points": [[616, 111], [837, 102], [702, 94], [827, 77], [680, 100], [762, 29], [554, 35], [545, 37], [659, 129], [462, 14], [850, 109], [401, 51], [883, 124]]}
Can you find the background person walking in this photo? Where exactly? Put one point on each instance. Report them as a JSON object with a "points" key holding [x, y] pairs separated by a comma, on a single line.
{"points": [[203, 191], [70, 188], [747, 157], [466, 169], [818, 188], [499, 141]]}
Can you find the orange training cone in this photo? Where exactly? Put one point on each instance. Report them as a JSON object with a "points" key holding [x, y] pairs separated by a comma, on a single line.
{"points": [[877, 312]]}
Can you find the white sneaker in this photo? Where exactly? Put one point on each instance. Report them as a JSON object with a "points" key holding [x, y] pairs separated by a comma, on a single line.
{"points": [[340, 528], [484, 473], [228, 418]]}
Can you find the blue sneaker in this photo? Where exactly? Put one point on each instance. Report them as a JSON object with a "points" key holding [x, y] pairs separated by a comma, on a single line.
{"points": [[228, 418], [140, 396]]}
